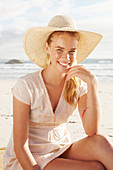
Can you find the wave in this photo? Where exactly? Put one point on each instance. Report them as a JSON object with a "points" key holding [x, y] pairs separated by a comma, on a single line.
{"points": [[102, 68]]}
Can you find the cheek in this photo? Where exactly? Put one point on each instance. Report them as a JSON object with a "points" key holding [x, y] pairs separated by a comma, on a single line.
{"points": [[55, 55]]}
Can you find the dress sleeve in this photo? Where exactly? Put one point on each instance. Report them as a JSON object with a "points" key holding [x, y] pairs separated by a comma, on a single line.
{"points": [[21, 91], [82, 89]]}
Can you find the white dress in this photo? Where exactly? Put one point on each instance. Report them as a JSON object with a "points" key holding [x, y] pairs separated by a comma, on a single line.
{"points": [[48, 136]]}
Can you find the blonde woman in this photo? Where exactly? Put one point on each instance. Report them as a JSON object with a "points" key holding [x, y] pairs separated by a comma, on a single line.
{"points": [[43, 101]]}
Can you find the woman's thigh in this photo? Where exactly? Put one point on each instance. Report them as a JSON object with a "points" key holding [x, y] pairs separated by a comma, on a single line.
{"points": [[88, 148], [69, 164]]}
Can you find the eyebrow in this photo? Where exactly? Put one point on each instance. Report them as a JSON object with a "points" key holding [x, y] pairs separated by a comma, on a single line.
{"points": [[64, 48]]}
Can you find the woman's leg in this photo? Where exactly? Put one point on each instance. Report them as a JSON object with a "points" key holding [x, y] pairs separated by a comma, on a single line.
{"points": [[96, 148], [69, 164]]}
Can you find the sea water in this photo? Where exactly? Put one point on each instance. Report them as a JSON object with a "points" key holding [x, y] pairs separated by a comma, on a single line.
{"points": [[102, 68]]}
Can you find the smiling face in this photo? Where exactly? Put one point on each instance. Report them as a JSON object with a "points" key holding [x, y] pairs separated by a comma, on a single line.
{"points": [[62, 48]]}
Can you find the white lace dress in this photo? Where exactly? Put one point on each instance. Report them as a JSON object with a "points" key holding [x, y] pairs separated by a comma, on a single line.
{"points": [[48, 136]]}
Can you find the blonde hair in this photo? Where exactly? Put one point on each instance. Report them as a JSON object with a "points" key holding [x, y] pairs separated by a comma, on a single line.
{"points": [[71, 86]]}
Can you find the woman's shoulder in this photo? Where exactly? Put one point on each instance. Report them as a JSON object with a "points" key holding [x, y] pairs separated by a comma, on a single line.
{"points": [[31, 76], [25, 87], [30, 80]]}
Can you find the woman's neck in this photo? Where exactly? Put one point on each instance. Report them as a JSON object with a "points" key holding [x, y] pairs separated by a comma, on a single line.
{"points": [[52, 77]]}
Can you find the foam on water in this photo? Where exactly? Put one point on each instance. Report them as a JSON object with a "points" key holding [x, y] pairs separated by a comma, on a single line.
{"points": [[102, 68]]}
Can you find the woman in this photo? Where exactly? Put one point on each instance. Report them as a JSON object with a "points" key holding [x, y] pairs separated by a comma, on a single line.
{"points": [[44, 100]]}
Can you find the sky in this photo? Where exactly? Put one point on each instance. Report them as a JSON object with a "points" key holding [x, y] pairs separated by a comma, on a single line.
{"points": [[16, 16]]}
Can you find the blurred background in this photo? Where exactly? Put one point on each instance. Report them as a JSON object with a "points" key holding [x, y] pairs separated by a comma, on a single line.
{"points": [[16, 16]]}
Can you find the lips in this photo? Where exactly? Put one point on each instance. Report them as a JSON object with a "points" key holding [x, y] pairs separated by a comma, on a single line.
{"points": [[64, 64]]}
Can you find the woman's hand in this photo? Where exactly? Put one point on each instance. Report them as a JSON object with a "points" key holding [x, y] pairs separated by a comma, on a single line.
{"points": [[81, 72]]}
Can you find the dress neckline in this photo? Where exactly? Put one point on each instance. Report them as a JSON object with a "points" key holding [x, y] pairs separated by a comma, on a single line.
{"points": [[48, 97]]}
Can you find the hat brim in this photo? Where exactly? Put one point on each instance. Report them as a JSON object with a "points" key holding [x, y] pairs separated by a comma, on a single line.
{"points": [[35, 38]]}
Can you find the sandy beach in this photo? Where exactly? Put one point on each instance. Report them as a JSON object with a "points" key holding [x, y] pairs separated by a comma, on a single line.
{"points": [[74, 124]]}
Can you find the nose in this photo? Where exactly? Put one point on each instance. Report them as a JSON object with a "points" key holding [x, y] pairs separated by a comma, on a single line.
{"points": [[66, 57]]}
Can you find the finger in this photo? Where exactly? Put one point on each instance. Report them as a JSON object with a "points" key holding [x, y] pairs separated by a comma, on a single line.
{"points": [[77, 73], [72, 77], [79, 67], [74, 70], [73, 74]]}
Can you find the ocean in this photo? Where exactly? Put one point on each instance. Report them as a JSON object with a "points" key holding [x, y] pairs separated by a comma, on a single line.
{"points": [[102, 68]]}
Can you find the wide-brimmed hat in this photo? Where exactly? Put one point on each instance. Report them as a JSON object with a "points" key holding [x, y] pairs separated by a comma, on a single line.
{"points": [[35, 38]]}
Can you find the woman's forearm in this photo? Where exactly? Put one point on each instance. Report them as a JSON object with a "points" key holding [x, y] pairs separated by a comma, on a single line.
{"points": [[92, 114], [26, 158]]}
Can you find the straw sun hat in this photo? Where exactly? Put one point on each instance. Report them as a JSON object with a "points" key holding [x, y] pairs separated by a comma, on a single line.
{"points": [[35, 38]]}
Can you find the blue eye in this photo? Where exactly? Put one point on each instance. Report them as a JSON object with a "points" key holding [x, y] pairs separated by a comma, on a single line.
{"points": [[72, 51], [59, 50]]}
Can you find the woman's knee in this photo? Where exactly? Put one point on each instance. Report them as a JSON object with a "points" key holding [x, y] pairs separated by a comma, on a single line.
{"points": [[100, 141]]}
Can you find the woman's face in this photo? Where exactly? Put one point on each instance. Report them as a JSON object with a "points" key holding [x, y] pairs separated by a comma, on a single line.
{"points": [[62, 51]]}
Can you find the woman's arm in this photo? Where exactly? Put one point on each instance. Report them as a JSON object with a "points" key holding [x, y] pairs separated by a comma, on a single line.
{"points": [[89, 104], [20, 133]]}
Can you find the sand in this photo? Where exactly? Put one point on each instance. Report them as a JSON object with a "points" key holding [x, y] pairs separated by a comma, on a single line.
{"points": [[74, 125]]}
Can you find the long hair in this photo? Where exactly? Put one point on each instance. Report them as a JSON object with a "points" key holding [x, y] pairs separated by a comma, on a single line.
{"points": [[71, 86]]}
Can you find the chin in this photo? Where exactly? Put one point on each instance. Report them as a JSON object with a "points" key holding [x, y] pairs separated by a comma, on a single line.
{"points": [[62, 71]]}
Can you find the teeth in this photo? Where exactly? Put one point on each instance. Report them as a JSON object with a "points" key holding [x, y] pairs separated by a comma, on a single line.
{"points": [[64, 64]]}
